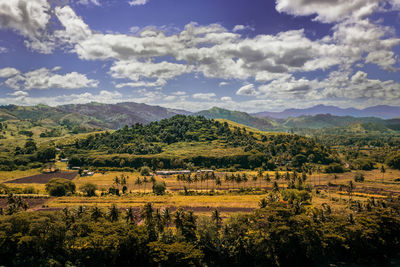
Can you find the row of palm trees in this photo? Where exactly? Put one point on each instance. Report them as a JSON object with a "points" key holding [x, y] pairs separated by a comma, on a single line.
{"points": [[234, 181]]}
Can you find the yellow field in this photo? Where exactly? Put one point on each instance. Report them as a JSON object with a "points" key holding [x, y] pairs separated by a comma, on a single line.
{"points": [[137, 196]]}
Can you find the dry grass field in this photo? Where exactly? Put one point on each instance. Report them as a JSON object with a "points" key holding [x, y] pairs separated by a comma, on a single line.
{"points": [[224, 198]]}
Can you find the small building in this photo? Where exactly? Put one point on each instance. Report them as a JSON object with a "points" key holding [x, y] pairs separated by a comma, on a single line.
{"points": [[87, 173], [63, 160]]}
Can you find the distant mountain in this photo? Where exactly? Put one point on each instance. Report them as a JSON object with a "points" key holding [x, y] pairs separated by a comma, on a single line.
{"points": [[92, 115], [327, 121], [382, 111], [240, 117]]}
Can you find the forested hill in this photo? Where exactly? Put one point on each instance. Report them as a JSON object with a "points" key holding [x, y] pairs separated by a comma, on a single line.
{"points": [[198, 140], [244, 118], [92, 115]]}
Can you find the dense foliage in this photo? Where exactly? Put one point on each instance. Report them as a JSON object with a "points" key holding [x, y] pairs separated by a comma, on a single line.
{"points": [[279, 234], [154, 138]]}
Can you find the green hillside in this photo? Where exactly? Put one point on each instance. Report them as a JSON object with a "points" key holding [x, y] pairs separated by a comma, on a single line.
{"points": [[184, 141], [244, 118]]}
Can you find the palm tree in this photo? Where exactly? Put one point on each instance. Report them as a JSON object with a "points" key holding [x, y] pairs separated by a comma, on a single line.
{"points": [[263, 203], [218, 182], [226, 179], [178, 218], [130, 216], [145, 181], [113, 214], [166, 216], [275, 187], [383, 170], [216, 218], [96, 213], [350, 189], [255, 178], [138, 182], [195, 180], [147, 213]]}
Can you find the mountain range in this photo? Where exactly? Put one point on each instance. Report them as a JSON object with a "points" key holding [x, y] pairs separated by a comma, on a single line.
{"points": [[381, 111], [115, 116]]}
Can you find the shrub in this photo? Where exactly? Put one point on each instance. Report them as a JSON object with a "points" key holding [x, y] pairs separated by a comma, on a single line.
{"points": [[89, 189], [145, 171], [334, 168], [394, 162], [60, 187], [359, 177], [159, 188]]}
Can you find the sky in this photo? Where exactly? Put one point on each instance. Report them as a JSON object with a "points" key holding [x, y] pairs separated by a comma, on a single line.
{"points": [[258, 55]]}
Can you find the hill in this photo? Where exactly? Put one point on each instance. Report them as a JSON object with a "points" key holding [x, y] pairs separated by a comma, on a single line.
{"points": [[184, 141], [91, 116], [381, 111], [327, 121], [244, 118]]}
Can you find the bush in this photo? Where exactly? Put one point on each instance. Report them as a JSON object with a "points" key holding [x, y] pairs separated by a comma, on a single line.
{"points": [[394, 162], [334, 168], [89, 189], [145, 171], [359, 177], [60, 187], [159, 188]]}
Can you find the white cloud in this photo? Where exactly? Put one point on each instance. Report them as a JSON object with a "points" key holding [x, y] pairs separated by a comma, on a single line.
{"points": [[223, 84], [3, 50], [226, 98], [329, 10], [46, 79], [247, 90], [238, 28], [137, 71], [88, 2], [8, 72], [204, 96], [138, 2], [19, 93], [29, 18]]}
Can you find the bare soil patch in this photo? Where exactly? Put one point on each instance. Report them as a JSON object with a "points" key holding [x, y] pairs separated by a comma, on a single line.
{"points": [[32, 202], [43, 178]]}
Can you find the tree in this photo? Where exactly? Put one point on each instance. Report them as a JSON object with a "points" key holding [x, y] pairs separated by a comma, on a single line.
{"points": [[130, 215], [383, 170], [138, 182], [216, 218], [113, 213], [359, 177], [145, 171], [350, 189], [159, 188], [60, 187], [96, 213], [89, 189]]}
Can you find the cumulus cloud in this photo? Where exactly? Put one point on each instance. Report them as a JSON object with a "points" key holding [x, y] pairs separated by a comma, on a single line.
{"points": [[239, 28], [204, 96], [247, 90], [30, 19], [8, 72], [88, 2], [3, 50], [138, 2], [223, 84], [329, 11], [226, 98], [46, 79]]}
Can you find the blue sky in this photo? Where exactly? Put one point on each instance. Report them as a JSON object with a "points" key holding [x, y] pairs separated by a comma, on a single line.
{"points": [[190, 54]]}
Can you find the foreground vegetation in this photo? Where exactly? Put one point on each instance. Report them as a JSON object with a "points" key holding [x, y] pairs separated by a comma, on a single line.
{"points": [[280, 233]]}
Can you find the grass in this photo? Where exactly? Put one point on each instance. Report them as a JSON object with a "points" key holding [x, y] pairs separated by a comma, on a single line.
{"points": [[371, 187]]}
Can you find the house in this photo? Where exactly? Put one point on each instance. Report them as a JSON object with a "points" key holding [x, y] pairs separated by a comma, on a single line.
{"points": [[87, 173], [63, 160]]}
